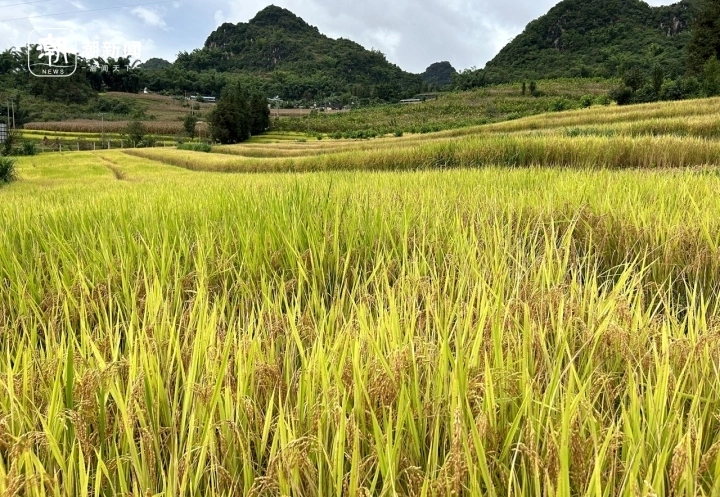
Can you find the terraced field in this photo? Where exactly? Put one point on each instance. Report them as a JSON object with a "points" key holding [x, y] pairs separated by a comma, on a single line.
{"points": [[525, 308], [665, 135]]}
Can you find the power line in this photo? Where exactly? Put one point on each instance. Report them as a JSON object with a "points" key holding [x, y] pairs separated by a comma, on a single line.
{"points": [[88, 10], [24, 3]]}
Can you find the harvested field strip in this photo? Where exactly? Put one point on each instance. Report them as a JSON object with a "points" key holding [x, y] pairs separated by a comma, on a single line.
{"points": [[513, 151]]}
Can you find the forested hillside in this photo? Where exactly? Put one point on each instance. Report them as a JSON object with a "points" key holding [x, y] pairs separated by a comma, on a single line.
{"points": [[579, 38], [287, 56]]}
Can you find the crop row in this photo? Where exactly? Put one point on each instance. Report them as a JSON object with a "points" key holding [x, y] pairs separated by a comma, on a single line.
{"points": [[513, 151], [92, 126]]}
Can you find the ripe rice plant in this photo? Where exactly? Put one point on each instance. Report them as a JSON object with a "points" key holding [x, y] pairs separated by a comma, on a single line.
{"points": [[401, 322], [441, 332], [513, 151]]}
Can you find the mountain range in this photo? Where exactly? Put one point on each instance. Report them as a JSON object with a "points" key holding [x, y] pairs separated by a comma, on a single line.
{"points": [[576, 38], [278, 53]]}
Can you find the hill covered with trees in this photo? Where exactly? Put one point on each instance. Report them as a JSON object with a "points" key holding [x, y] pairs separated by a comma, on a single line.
{"points": [[155, 64], [581, 38], [284, 55], [439, 75]]}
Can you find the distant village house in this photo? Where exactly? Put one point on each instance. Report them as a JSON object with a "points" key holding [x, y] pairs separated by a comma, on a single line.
{"points": [[422, 97]]}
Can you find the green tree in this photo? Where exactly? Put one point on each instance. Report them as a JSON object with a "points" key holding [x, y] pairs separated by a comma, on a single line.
{"points": [[135, 131], [259, 114], [189, 125], [634, 78], [711, 77], [705, 41], [622, 95], [230, 121], [658, 78]]}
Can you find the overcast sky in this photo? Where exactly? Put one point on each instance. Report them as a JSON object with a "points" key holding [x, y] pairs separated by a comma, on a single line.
{"points": [[411, 34]]}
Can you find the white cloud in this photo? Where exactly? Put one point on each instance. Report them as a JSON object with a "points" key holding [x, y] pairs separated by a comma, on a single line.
{"points": [[150, 17], [387, 40]]}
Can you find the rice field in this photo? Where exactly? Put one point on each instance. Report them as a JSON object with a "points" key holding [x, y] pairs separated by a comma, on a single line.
{"points": [[504, 312], [82, 126]]}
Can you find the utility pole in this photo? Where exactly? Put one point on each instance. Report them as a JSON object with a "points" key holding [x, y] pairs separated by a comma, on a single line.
{"points": [[12, 104], [102, 128]]}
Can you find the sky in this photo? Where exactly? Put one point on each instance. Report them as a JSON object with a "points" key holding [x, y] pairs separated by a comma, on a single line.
{"points": [[412, 34]]}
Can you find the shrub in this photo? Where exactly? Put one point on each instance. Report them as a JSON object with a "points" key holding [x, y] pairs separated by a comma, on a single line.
{"points": [[28, 148], [195, 147], [603, 100], [398, 133], [114, 105], [646, 94], [586, 101], [622, 95], [560, 104], [7, 170], [135, 131]]}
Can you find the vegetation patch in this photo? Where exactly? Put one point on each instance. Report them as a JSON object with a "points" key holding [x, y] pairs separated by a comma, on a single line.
{"points": [[7, 169], [195, 147]]}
